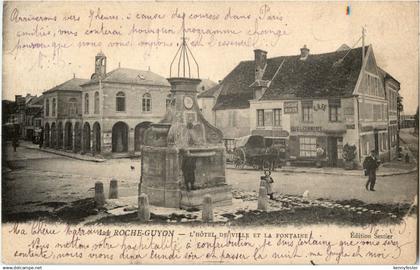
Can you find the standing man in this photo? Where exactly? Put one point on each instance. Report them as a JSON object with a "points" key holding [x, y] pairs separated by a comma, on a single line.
{"points": [[41, 138], [15, 139], [188, 170], [370, 165]]}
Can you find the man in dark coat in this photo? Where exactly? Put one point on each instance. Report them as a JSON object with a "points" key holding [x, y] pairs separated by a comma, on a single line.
{"points": [[370, 165], [188, 170], [15, 140], [41, 138]]}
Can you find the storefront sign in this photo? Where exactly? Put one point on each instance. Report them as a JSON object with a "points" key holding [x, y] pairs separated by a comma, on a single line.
{"points": [[319, 106], [290, 107], [366, 128], [270, 133], [373, 128], [306, 129]]}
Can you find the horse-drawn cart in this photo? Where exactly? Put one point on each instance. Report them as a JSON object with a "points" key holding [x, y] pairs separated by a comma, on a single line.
{"points": [[252, 151]]}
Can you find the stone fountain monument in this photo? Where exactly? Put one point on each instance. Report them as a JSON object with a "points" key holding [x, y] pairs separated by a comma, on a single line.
{"points": [[184, 146]]}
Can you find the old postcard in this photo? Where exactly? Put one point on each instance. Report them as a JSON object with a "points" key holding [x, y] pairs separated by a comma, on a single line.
{"points": [[210, 133]]}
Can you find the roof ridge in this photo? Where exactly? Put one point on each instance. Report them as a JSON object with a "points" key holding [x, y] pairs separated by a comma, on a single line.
{"points": [[324, 53]]}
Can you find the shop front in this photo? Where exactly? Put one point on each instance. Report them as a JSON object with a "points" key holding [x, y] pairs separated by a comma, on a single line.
{"points": [[315, 146]]}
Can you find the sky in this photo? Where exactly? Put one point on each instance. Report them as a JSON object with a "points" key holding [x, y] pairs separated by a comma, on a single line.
{"points": [[220, 35]]}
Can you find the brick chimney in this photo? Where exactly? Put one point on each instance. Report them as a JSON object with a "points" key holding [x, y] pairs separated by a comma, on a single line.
{"points": [[260, 62], [304, 53]]}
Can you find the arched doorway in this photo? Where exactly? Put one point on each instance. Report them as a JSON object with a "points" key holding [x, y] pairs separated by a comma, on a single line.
{"points": [[138, 135], [60, 135], [47, 135], [68, 136], [86, 137], [53, 135], [77, 137], [120, 137], [97, 137]]}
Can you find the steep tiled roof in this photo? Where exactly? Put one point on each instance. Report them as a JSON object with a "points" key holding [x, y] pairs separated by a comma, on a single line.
{"points": [[212, 92], [320, 75], [132, 76], [235, 91], [70, 85]]}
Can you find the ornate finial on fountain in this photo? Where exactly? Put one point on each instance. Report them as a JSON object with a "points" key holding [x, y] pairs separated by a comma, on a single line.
{"points": [[182, 57]]}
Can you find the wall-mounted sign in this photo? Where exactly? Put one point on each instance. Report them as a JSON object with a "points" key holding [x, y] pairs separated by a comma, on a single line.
{"points": [[306, 129], [366, 128], [270, 133], [319, 106], [290, 107], [353, 126]]}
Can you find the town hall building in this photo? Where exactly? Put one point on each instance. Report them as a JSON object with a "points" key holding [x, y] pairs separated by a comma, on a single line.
{"points": [[105, 115]]}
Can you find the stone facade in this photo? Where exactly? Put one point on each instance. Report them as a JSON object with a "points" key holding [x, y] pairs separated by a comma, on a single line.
{"points": [[63, 116], [106, 115]]}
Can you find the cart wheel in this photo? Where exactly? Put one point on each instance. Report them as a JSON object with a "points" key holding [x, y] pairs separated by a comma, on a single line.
{"points": [[239, 158], [266, 165]]}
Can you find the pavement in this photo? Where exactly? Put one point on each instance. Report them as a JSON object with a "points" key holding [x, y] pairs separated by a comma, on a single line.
{"points": [[87, 157]]}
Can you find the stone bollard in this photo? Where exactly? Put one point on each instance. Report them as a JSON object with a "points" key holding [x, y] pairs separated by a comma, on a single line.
{"points": [[113, 189], [143, 213], [99, 194], [262, 199], [207, 213]]}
